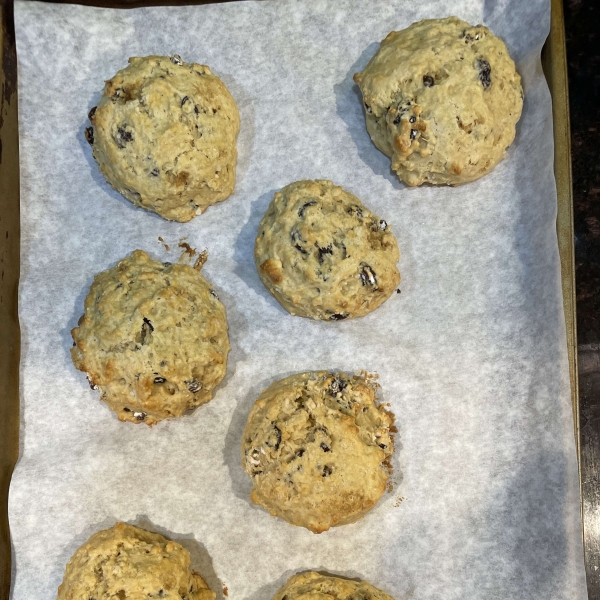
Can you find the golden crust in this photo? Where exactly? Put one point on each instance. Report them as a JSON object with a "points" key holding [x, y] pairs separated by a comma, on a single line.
{"points": [[128, 562], [153, 338], [317, 446], [316, 586], [442, 99], [164, 136], [323, 254]]}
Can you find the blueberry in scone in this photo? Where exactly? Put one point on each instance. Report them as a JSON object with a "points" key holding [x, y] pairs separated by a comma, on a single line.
{"points": [[442, 99], [153, 339], [317, 447], [324, 255], [164, 136]]}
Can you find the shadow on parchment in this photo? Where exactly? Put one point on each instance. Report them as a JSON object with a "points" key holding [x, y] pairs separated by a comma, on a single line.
{"points": [[244, 250], [523, 542], [349, 105]]}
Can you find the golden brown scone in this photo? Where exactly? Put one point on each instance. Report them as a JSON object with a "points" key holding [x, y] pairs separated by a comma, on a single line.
{"points": [[317, 447], [323, 255], [164, 135], [129, 563], [153, 338], [442, 99], [315, 586]]}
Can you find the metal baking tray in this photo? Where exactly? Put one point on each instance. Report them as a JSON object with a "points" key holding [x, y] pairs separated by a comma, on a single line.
{"points": [[555, 68]]}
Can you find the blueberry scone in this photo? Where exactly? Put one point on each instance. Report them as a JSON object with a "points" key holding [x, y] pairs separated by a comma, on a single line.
{"points": [[323, 255], [442, 99], [317, 447], [128, 562], [316, 586], [164, 136], [153, 338]]}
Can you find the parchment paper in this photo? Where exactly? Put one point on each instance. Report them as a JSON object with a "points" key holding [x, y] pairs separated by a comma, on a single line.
{"points": [[471, 355]]}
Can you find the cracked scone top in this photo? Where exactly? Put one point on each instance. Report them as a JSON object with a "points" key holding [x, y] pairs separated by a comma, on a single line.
{"points": [[442, 99], [317, 448], [164, 135], [153, 338], [128, 562], [323, 255], [316, 586]]}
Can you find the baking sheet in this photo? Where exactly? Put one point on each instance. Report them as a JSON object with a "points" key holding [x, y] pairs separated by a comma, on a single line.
{"points": [[471, 355]]}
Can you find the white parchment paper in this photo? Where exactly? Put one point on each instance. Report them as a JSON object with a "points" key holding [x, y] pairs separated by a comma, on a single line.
{"points": [[471, 355]]}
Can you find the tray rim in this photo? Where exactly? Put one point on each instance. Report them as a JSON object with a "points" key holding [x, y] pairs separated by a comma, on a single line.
{"points": [[555, 69]]}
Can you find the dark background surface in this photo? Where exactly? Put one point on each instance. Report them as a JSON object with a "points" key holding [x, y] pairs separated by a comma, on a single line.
{"points": [[583, 56]]}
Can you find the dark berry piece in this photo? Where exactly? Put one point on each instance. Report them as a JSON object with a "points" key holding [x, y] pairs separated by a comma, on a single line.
{"points": [[323, 251], [274, 439], [159, 380], [140, 416], [383, 225], [123, 136], [119, 93], [413, 134], [305, 206], [89, 135], [184, 100], [176, 59], [126, 409], [147, 329], [194, 385], [92, 113], [397, 119], [154, 172], [368, 108], [327, 471], [337, 386], [367, 275], [299, 453], [485, 73], [325, 447], [428, 81], [338, 316], [412, 119], [355, 210], [167, 264], [213, 293]]}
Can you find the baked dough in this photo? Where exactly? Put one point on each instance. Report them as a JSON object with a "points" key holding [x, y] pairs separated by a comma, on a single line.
{"points": [[315, 586], [164, 135], [131, 563], [317, 448], [153, 338], [323, 255], [442, 99]]}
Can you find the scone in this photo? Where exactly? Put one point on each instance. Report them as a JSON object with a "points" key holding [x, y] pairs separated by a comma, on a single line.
{"points": [[315, 586], [128, 562], [323, 255], [317, 447], [442, 99], [153, 338], [164, 135]]}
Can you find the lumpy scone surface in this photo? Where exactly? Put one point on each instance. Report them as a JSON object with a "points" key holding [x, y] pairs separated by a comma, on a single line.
{"points": [[131, 563], [442, 99], [324, 255], [153, 338], [317, 448], [316, 586], [164, 136]]}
